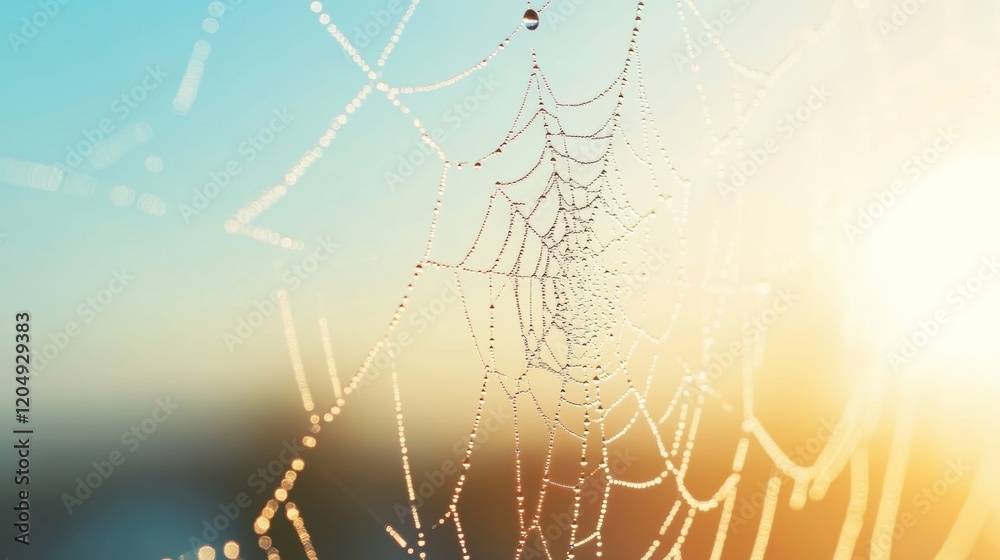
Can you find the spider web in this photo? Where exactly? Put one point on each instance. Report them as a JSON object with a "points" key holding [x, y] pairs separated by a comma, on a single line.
{"points": [[555, 285]]}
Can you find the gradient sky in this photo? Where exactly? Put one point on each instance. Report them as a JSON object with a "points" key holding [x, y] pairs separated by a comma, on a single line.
{"points": [[163, 334]]}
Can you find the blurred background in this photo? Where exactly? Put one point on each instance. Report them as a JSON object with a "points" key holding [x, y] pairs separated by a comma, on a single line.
{"points": [[815, 182]]}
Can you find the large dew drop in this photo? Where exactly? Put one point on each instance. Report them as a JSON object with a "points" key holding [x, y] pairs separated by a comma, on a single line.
{"points": [[531, 19]]}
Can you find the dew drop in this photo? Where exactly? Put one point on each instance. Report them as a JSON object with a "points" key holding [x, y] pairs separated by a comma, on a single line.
{"points": [[531, 19]]}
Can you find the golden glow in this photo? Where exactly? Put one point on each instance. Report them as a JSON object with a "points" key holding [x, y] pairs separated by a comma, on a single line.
{"points": [[933, 253], [910, 261], [231, 550]]}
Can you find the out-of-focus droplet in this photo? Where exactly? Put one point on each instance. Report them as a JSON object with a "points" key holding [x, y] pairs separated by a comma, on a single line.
{"points": [[122, 195], [154, 164], [216, 9], [210, 25]]}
